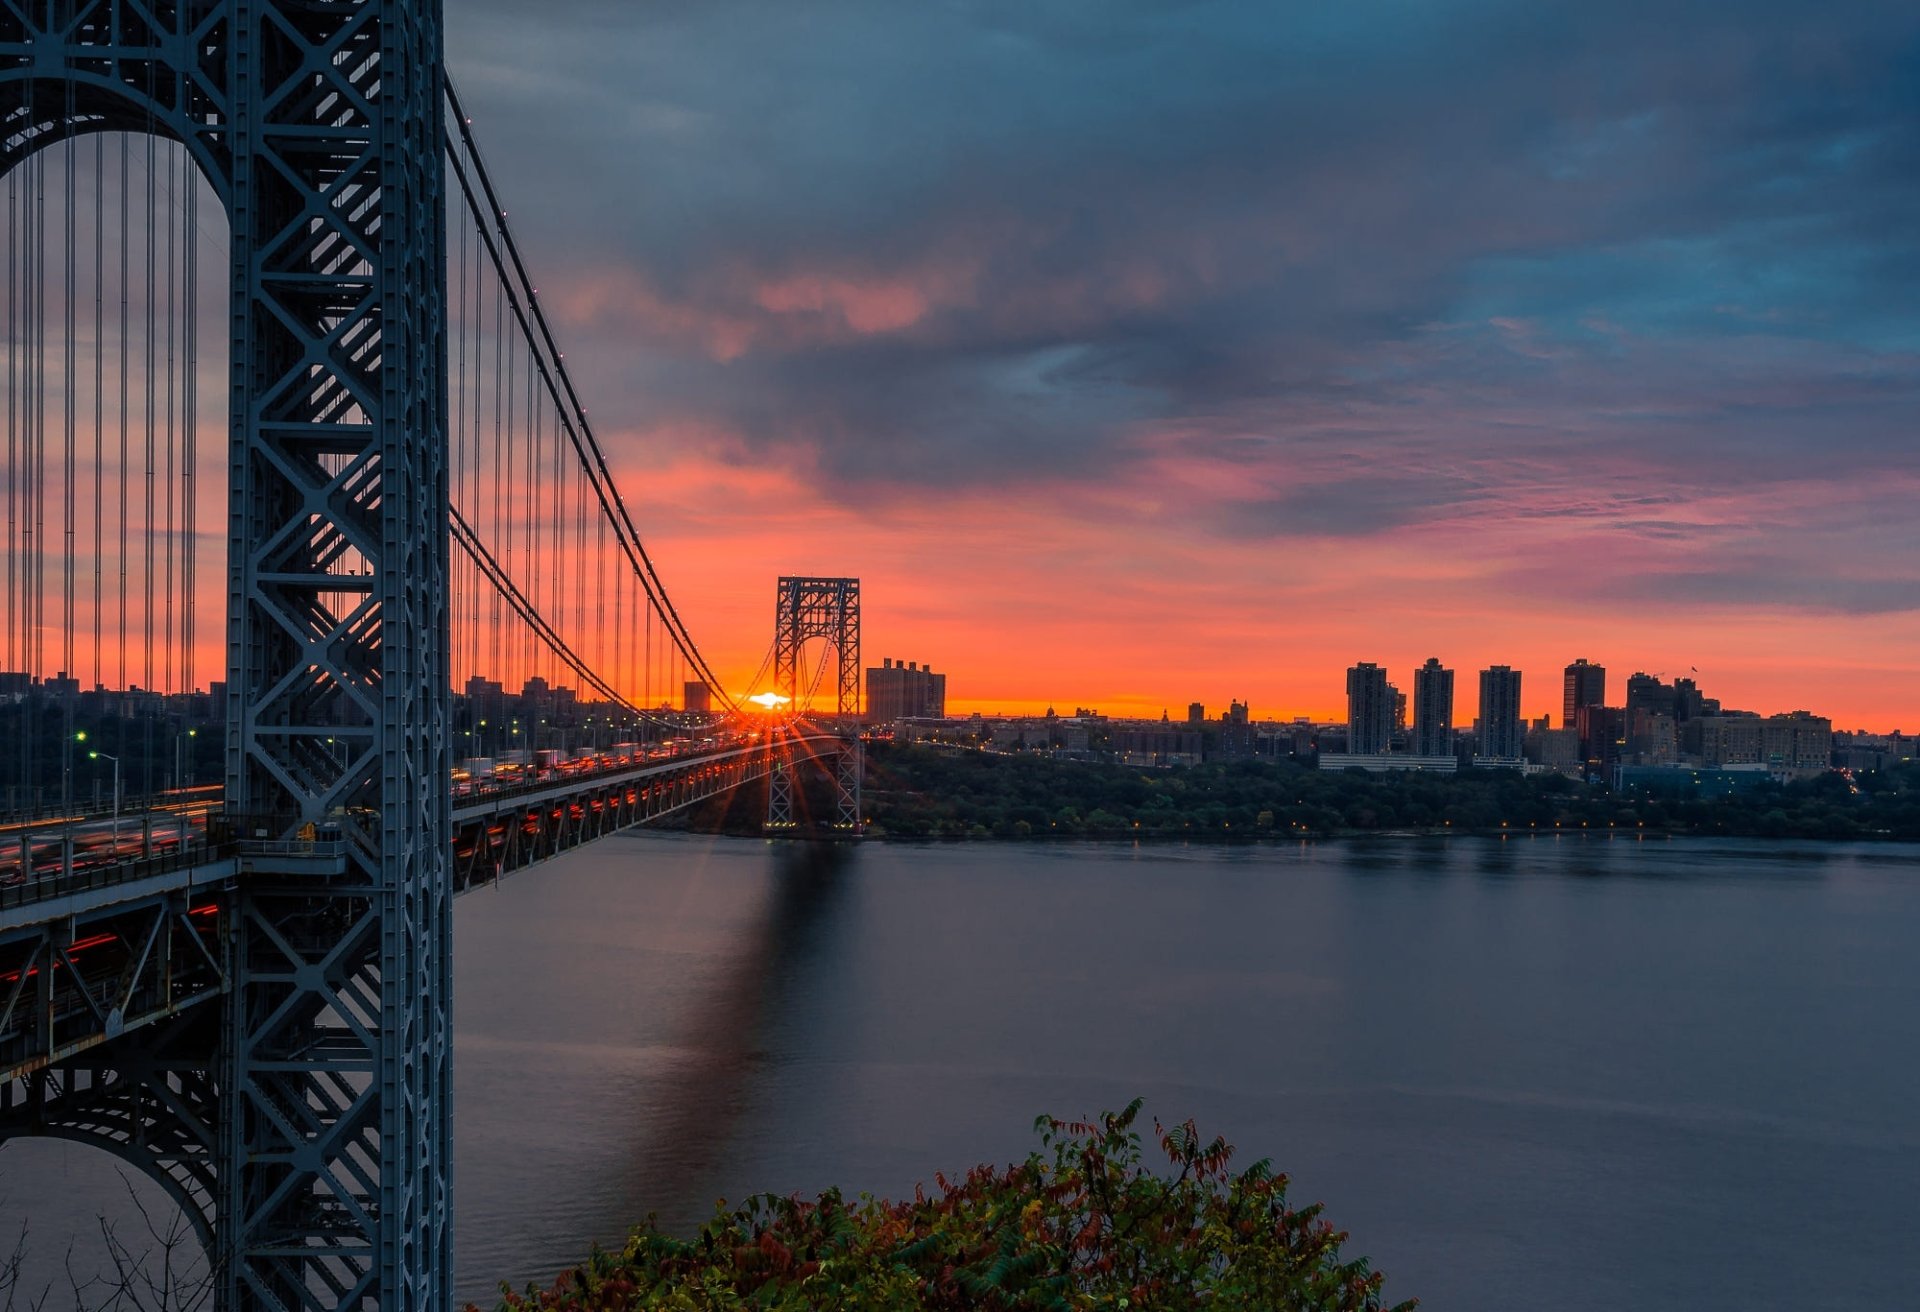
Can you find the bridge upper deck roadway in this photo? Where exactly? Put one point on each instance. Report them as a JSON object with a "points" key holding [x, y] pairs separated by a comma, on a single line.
{"points": [[174, 848]]}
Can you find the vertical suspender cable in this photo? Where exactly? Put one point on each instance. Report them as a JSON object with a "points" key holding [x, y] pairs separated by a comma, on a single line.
{"points": [[151, 383], [125, 412], [189, 425], [69, 446], [169, 435], [99, 392], [37, 435]]}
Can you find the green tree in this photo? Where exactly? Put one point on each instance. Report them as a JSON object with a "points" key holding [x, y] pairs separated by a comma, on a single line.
{"points": [[1083, 1223]]}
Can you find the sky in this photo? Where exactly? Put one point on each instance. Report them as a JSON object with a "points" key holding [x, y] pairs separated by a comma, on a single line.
{"points": [[1136, 352]]}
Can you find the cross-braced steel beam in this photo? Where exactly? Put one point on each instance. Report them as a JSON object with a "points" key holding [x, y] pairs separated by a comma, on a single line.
{"points": [[318, 123]]}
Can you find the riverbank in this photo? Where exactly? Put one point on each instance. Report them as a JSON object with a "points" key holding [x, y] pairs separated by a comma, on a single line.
{"points": [[916, 792], [922, 793]]}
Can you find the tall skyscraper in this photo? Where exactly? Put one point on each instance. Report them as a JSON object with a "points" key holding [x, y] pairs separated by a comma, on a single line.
{"points": [[1586, 685], [1502, 736], [1432, 710], [1369, 710]]}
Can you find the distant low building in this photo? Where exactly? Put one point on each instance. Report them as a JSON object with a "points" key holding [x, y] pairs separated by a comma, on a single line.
{"points": [[1157, 745], [1728, 740], [1798, 744], [1682, 781], [916, 729], [1235, 738], [1557, 750], [1383, 763], [1653, 736]]}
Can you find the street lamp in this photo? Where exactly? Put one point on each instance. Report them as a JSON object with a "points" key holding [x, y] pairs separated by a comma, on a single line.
{"points": [[181, 757], [102, 756]]}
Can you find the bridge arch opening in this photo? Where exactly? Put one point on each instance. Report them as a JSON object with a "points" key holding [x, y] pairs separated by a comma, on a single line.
{"points": [[113, 249], [88, 1211], [113, 381]]}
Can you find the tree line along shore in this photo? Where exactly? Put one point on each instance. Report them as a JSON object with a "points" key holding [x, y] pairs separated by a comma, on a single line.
{"points": [[923, 792]]}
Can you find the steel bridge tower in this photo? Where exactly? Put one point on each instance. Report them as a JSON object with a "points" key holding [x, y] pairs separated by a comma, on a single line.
{"points": [[828, 608], [304, 1119]]}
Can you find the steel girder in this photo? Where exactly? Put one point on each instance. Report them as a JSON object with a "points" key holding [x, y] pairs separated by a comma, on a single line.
{"points": [[319, 126], [75, 981]]}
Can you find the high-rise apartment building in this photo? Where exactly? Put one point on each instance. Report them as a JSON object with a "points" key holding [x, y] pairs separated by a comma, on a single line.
{"points": [[1586, 685], [1369, 711], [903, 690], [1645, 692], [1603, 732], [1502, 735], [1433, 710]]}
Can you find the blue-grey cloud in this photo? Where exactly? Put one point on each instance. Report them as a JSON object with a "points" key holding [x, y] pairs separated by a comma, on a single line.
{"points": [[980, 241]]}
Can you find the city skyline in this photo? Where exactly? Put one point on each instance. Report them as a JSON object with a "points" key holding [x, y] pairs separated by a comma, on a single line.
{"points": [[1542, 696]]}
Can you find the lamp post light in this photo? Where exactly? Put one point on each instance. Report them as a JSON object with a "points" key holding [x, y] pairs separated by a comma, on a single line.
{"points": [[103, 756], [181, 757]]}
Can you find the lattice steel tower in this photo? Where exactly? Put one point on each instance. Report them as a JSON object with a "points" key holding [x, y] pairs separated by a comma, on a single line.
{"points": [[827, 608], [306, 1117]]}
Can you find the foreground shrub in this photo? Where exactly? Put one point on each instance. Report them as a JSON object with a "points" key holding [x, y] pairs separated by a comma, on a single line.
{"points": [[1081, 1224]]}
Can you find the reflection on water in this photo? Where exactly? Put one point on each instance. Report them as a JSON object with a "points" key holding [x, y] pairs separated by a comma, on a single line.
{"points": [[697, 1103]]}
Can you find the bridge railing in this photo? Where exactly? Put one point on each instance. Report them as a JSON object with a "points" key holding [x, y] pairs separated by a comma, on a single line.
{"points": [[85, 879], [92, 810], [620, 769]]}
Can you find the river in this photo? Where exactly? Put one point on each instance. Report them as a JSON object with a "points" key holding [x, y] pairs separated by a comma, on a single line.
{"points": [[1578, 1073]]}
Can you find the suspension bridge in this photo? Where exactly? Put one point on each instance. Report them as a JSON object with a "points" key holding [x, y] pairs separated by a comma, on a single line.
{"points": [[229, 966]]}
